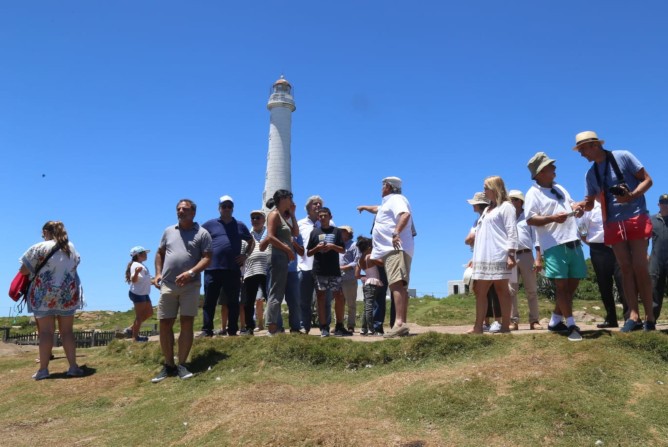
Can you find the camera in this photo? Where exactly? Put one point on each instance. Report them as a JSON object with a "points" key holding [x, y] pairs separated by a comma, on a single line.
{"points": [[620, 189]]}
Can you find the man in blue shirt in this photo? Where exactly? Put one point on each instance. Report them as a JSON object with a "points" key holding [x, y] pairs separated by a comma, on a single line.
{"points": [[223, 275], [621, 181]]}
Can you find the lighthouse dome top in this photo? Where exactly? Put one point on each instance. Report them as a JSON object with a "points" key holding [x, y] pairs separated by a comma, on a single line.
{"points": [[281, 95]]}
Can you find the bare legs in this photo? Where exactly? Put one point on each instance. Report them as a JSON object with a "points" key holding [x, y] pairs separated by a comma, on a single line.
{"points": [[167, 339], [481, 287], [339, 306], [400, 297], [632, 259], [47, 329], [143, 311]]}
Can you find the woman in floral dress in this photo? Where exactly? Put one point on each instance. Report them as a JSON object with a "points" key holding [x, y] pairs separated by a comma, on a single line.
{"points": [[54, 294]]}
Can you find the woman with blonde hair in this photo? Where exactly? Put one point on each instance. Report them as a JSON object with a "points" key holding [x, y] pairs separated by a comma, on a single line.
{"points": [[494, 252], [54, 294]]}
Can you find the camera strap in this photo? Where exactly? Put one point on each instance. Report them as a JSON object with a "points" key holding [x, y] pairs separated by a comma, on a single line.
{"points": [[609, 160]]}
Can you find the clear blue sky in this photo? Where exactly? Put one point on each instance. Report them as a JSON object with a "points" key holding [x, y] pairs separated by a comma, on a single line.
{"points": [[112, 111]]}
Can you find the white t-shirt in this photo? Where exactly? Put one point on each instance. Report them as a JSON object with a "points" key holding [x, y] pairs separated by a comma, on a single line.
{"points": [[143, 285], [385, 224], [543, 202], [591, 224], [526, 234]]}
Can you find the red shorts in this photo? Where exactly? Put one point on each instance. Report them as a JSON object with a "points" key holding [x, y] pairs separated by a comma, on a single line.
{"points": [[636, 228]]}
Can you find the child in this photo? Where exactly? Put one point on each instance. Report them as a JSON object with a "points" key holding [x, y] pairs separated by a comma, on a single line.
{"points": [[137, 275], [372, 287]]}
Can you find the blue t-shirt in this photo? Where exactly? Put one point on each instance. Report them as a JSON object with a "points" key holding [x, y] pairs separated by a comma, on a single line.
{"points": [[226, 243], [629, 167]]}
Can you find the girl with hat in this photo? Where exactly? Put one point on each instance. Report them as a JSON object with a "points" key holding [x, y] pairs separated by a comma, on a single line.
{"points": [[139, 278]]}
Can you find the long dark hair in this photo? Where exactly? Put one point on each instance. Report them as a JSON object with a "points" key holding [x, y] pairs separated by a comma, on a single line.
{"points": [[59, 234], [128, 273]]}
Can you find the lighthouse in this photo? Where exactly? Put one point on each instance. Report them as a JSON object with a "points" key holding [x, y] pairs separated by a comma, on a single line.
{"points": [[280, 105]]}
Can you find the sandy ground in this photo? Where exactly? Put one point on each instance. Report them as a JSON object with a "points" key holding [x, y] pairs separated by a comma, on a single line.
{"points": [[415, 329]]}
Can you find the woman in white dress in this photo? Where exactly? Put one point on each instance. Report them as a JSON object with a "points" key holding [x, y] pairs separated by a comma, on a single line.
{"points": [[494, 252]]}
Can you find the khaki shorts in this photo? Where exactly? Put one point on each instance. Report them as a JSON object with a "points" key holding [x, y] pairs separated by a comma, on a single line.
{"points": [[398, 267], [185, 298]]}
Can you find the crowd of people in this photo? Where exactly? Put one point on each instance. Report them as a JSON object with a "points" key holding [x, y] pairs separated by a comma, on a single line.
{"points": [[311, 262], [612, 219], [286, 259]]}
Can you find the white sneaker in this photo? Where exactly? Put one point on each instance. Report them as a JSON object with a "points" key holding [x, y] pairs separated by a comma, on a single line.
{"points": [[495, 327]]}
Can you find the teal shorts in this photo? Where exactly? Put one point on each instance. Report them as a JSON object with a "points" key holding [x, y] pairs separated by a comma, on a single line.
{"points": [[563, 262]]}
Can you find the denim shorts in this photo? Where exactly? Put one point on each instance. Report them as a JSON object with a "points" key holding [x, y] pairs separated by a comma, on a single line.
{"points": [[139, 298]]}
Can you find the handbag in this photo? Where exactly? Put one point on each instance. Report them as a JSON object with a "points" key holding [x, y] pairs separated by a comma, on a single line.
{"points": [[19, 286], [18, 289]]}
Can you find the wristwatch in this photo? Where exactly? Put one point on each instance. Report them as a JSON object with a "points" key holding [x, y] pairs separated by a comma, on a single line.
{"points": [[191, 273], [395, 234]]}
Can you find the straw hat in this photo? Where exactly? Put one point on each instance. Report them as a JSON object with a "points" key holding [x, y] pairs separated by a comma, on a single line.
{"points": [[516, 194], [586, 137], [479, 198]]}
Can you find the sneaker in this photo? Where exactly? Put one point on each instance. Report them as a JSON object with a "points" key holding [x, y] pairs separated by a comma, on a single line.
{"points": [[631, 325], [166, 371], [485, 327], [258, 329], [364, 331], [141, 338], [203, 334], [649, 326], [41, 374], [341, 332], [351, 330], [183, 372], [494, 328], [559, 327], [304, 331], [574, 333], [395, 332], [324, 332], [247, 331], [222, 332], [75, 371]]}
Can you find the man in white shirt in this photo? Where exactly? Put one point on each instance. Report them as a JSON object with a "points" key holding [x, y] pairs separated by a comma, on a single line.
{"points": [[393, 233], [550, 209], [605, 265]]}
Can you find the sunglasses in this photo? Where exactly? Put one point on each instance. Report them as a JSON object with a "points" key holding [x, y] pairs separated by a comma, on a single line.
{"points": [[663, 202], [226, 206], [557, 194], [256, 217]]}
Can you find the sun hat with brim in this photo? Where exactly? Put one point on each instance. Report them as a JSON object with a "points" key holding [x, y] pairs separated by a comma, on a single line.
{"points": [[586, 137], [516, 194], [479, 198], [347, 228], [538, 162], [134, 251], [260, 212]]}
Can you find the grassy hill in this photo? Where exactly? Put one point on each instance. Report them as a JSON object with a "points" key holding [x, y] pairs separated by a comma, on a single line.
{"points": [[291, 390]]}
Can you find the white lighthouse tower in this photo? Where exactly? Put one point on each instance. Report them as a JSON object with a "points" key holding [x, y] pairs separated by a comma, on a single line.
{"points": [[280, 105]]}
